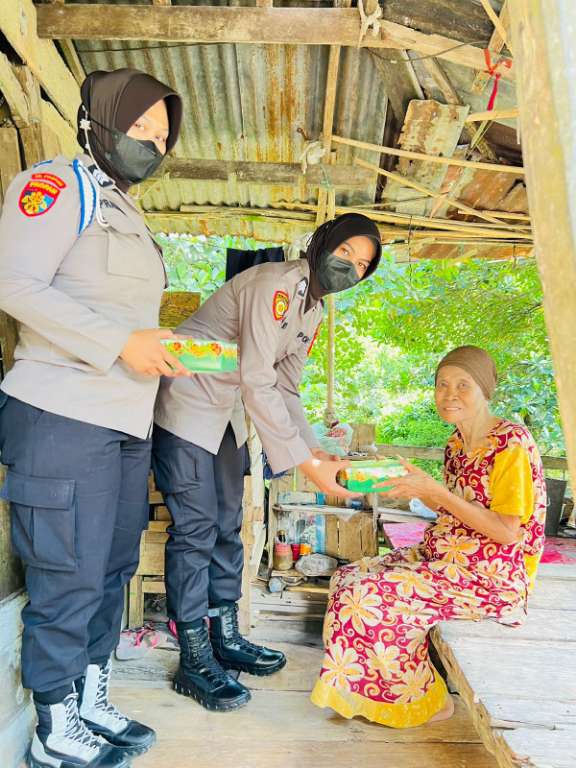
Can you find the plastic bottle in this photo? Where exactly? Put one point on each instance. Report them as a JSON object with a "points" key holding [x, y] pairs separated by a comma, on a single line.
{"points": [[418, 507]]}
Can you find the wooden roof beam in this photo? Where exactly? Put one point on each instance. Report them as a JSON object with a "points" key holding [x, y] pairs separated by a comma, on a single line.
{"points": [[269, 174], [513, 169], [215, 24], [261, 224], [400, 80]]}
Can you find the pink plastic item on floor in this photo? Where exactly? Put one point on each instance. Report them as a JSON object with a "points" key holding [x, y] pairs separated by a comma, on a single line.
{"points": [[135, 643]]}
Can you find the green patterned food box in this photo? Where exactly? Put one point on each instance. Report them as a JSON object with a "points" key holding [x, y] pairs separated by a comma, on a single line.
{"points": [[362, 476], [204, 355]]}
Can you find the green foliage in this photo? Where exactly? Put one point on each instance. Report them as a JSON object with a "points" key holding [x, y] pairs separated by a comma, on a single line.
{"points": [[199, 263], [392, 330]]}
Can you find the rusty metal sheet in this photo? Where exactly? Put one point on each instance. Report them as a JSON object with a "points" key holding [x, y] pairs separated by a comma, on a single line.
{"points": [[434, 129]]}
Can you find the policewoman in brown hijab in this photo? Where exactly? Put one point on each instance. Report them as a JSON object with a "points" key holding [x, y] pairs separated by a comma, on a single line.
{"points": [[82, 275]]}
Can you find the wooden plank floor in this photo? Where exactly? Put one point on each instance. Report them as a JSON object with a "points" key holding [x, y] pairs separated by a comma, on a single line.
{"points": [[280, 728], [520, 684]]}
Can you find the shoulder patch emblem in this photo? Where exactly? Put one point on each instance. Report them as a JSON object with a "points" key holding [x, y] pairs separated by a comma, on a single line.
{"points": [[280, 304], [40, 194]]}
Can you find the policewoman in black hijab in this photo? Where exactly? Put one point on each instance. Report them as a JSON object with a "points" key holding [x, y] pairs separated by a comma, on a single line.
{"points": [[200, 454], [82, 275]]}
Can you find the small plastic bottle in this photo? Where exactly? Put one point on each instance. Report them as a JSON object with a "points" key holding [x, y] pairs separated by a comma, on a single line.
{"points": [[418, 507]]}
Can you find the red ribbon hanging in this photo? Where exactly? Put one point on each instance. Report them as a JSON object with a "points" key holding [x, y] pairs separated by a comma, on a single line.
{"points": [[492, 70]]}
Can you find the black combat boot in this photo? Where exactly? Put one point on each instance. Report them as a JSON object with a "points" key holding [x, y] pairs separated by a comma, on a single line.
{"points": [[235, 652], [62, 739], [103, 719], [202, 678]]}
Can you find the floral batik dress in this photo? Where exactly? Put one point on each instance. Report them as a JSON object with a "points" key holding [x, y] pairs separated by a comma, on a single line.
{"points": [[381, 609]]}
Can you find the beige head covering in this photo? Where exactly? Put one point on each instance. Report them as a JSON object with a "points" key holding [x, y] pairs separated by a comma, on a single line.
{"points": [[476, 362]]}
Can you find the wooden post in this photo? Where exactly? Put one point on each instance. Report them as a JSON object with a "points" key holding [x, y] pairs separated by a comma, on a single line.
{"points": [[252, 521], [10, 570], [543, 31], [326, 210]]}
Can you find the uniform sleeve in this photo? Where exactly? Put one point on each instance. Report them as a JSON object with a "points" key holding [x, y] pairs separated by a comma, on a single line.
{"points": [[289, 373], [511, 484], [36, 232], [259, 337]]}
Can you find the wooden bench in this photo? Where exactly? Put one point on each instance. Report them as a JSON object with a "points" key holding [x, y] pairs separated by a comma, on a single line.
{"points": [[520, 684]]}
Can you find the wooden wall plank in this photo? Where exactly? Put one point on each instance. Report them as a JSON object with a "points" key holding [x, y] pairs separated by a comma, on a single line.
{"points": [[57, 132], [18, 24], [11, 577], [13, 93], [16, 711]]}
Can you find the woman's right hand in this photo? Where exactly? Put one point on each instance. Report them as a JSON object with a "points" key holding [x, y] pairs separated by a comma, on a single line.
{"points": [[144, 354], [323, 474]]}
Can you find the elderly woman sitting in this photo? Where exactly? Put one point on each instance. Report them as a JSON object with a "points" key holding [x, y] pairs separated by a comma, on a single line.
{"points": [[477, 561]]}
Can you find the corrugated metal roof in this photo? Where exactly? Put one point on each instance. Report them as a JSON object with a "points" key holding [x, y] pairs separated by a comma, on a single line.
{"points": [[253, 102], [263, 103]]}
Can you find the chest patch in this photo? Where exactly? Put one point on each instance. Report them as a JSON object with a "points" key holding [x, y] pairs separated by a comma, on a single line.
{"points": [[280, 304], [40, 194]]}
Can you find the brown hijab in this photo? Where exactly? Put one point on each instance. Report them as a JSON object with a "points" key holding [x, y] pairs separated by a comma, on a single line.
{"points": [[115, 100], [476, 362]]}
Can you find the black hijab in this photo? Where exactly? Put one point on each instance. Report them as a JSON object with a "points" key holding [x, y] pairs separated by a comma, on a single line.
{"points": [[115, 100], [333, 233]]}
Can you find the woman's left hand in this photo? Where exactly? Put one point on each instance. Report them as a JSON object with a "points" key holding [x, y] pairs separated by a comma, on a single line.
{"points": [[415, 484]]}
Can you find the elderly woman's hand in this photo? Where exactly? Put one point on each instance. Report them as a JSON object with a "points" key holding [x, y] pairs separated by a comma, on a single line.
{"points": [[415, 484]]}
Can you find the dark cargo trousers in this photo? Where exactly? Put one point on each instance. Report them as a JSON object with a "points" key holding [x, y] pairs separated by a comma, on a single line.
{"points": [[78, 498], [204, 554]]}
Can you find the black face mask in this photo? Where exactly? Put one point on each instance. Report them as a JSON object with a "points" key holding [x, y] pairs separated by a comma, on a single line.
{"points": [[335, 274], [133, 159]]}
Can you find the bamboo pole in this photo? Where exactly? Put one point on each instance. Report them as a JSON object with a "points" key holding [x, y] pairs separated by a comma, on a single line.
{"points": [[442, 224], [509, 215], [494, 114], [497, 21], [326, 210], [495, 46], [407, 182], [513, 169], [305, 217]]}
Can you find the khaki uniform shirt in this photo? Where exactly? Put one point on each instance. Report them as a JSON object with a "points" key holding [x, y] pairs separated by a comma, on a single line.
{"points": [[78, 297], [263, 309]]}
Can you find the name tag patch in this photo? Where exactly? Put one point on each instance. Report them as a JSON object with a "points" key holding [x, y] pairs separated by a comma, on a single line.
{"points": [[302, 287], [40, 194]]}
